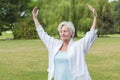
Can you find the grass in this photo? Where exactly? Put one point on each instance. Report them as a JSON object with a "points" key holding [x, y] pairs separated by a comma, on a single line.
{"points": [[23, 60], [103, 60], [6, 35], [28, 60]]}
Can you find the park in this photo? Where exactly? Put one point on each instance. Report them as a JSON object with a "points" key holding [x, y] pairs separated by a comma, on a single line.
{"points": [[23, 56], [27, 59]]}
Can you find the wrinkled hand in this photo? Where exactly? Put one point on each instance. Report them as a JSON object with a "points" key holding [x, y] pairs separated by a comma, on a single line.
{"points": [[92, 10], [35, 12]]}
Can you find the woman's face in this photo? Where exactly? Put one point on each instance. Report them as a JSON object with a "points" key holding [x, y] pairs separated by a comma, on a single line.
{"points": [[65, 33]]}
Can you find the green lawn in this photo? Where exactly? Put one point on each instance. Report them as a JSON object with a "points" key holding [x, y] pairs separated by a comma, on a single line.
{"points": [[104, 59], [6, 35], [27, 60], [23, 60]]}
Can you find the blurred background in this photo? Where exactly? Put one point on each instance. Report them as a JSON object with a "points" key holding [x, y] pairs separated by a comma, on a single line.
{"points": [[24, 57], [16, 19]]}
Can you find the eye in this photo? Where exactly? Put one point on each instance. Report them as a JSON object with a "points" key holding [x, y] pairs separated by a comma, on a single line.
{"points": [[65, 31]]}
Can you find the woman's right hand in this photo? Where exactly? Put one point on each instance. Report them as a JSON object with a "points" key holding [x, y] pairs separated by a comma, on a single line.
{"points": [[92, 10], [35, 12]]}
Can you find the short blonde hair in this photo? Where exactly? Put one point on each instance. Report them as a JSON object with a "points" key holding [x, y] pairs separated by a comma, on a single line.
{"points": [[69, 25]]}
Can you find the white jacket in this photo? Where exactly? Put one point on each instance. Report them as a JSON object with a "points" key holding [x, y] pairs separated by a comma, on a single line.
{"points": [[75, 51]]}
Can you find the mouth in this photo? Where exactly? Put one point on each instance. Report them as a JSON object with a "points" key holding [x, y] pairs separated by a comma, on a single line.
{"points": [[63, 36]]}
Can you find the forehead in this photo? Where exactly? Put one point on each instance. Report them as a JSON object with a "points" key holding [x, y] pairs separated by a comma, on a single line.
{"points": [[64, 28]]}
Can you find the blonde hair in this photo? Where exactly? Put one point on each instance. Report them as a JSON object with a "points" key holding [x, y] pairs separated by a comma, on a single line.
{"points": [[69, 25]]}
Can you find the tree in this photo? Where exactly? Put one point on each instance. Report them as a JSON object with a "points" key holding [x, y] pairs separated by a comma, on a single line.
{"points": [[107, 22], [116, 15], [52, 13], [7, 14], [105, 19], [16, 15], [10, 11]]}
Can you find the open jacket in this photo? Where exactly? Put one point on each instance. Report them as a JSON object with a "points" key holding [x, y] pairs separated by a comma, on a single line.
{"points": [[75, 51]]}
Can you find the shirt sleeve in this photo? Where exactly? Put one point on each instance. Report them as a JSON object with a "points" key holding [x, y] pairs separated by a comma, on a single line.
{"points": [[47, 40], [89, 39]]}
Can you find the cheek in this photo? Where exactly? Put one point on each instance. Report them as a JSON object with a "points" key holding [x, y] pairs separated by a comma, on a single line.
{"points": [[68, 34], [60, 34]]}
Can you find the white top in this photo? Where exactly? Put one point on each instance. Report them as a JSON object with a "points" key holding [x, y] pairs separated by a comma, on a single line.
{"points": [[76, 50]]}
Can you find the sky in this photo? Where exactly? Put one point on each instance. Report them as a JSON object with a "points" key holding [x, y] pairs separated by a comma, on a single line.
{"points": [[112, 0]]}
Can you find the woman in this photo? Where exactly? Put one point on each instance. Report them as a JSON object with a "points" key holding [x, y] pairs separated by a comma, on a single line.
{"points": [[66, 58]]}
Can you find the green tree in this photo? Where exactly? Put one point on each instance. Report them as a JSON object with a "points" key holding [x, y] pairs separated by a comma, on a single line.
{"points": [[7, 14], [10, 11], [54, 12], [116, 14], [107, 20]]}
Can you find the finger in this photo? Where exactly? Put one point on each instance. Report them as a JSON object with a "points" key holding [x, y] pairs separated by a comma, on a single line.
{"points": [[37, 11], [90, 7], [34, 9]]}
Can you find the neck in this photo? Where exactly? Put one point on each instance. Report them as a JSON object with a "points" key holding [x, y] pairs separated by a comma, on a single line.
{"points": [[66, 42]]}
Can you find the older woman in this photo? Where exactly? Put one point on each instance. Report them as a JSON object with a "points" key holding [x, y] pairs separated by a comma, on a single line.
{"points": [[66, 57]]}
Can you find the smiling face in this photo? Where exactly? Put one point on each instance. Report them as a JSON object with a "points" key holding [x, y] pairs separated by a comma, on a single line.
{"points": [[65, 33]]}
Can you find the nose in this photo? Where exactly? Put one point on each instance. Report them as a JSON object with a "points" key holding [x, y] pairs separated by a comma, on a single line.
{"points": [[63, 33]]}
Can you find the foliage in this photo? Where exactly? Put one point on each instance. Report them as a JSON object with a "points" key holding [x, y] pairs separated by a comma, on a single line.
{"points": [[24, 29], [116, 15], [16, 15], [107, 22], [10, 12]]}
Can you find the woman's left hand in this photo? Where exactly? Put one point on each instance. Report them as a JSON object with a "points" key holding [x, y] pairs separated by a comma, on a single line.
{"points": [[92, 10]]}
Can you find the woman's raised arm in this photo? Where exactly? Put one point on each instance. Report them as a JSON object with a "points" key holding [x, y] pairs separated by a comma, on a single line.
{"points": [[34, 15], [94, 25]]}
